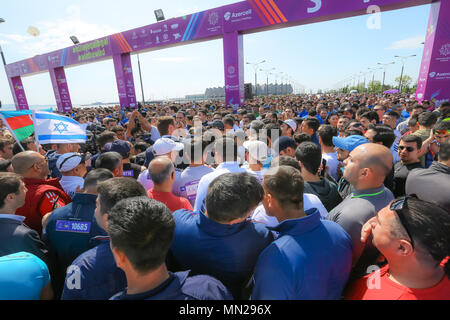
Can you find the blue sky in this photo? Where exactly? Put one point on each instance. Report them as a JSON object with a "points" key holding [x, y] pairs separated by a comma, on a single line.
{"points": [[318, 55]]}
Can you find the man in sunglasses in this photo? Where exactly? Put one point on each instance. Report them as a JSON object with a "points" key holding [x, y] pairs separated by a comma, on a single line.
{"points": [[413, 236], [408, 151], [433, 184]]}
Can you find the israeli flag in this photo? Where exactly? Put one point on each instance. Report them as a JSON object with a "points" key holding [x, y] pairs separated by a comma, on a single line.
{"points": [[54, 128]]}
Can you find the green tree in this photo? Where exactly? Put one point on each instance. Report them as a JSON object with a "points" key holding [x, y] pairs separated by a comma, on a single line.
{"points": [[374, 86], [406, 82]]}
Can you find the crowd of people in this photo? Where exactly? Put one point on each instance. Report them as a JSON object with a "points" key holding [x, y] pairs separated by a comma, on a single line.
{"points": [[334, 196]]}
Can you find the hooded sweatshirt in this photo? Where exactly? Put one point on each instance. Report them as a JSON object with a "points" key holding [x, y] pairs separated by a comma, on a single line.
{"points": [[326, 191]]}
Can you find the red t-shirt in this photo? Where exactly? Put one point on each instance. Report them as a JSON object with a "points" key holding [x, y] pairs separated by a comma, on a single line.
{"points": [[386, 289], [172, 202]]}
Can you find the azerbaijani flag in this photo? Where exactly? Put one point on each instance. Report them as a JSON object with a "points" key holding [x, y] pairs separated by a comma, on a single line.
{"points": [[20, 123]]}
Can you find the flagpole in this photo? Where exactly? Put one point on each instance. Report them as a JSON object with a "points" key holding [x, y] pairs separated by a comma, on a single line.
{"points": [[36, 138], [11, 131]]}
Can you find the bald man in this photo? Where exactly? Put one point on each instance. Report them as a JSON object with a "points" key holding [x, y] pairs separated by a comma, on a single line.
{"points": [[162, 173], [43, 195], [365, 169]]}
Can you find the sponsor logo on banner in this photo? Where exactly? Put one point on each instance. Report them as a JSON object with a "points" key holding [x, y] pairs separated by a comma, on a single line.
{"points": [[176, 36], [238, 16], [445, 53], [165, 36], [231, 69], [213, 18], [165, 28], [155, 31], [445, 50], [232, 87], [53, 59], [174, 26], [440, 76], [143, 33], [420, 95]]}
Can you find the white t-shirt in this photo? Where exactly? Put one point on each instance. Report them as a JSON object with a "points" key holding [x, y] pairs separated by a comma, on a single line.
{"points": [[332, 163], [225, 167], [309, 201], [259, 174], [189, 179]]}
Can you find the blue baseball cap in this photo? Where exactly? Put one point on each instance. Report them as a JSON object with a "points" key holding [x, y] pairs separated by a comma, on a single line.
{"points": [[120, 146], [349, 143], [282, 143]]}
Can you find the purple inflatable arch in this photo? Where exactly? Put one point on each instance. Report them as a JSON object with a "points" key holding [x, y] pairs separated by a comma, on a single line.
{"points": [[230, 23]]}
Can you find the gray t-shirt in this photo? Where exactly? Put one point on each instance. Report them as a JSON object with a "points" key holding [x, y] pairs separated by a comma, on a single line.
{"points": [[188, 183], [352, 213]]}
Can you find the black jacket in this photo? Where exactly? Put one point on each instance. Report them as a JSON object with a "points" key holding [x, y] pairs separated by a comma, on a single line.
{"points": [[16, 237]]}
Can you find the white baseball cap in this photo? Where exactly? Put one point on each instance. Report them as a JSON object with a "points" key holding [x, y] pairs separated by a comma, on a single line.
{"points": [[257, 149], [291, 123], [166, 145], [69, 161]]}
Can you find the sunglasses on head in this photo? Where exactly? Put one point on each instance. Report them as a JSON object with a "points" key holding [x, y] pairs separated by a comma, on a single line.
{"points": [[399, 206], [409, 149], [441, 131]]}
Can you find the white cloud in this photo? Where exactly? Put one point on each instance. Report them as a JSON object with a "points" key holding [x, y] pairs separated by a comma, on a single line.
{"points": [[4, 42], [55, 33], [409, 43], [16, 37], [187, 11], [173, 59]]}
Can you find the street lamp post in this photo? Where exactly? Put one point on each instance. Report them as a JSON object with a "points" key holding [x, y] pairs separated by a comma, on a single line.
{"points": [[384, 73], [267, 71], [255, 66], [140, 78], [1, 51], [403, 58]]}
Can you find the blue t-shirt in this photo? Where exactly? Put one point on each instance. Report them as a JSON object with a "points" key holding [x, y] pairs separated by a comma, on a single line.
{"points": [[225, 252], [311, 260], [22, 276], [179, 286]]}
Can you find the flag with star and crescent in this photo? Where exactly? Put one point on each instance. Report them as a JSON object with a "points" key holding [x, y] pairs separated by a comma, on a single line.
{"points": [[54, 128]]}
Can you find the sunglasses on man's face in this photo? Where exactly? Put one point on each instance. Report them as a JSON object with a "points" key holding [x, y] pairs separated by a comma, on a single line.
{"points": [[398, 206], [409, 149]]}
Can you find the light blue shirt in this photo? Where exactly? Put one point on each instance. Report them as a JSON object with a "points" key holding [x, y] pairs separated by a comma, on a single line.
{"points": [[22, 276], [155, 133], [12, 216], [225, 167]]}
